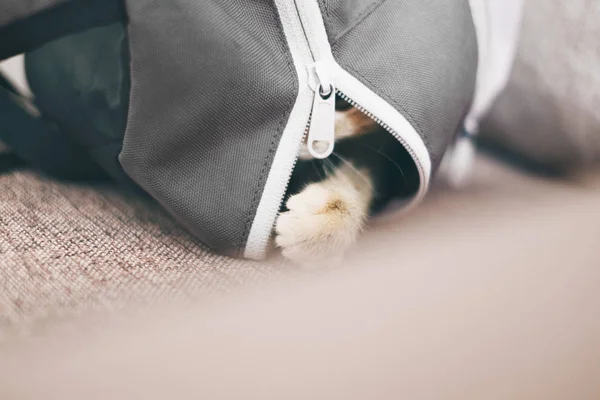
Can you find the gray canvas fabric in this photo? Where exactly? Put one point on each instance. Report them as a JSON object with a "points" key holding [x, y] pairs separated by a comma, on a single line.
{"points": [[212, 88], [420, 56], [12, 10], [212, 84]]}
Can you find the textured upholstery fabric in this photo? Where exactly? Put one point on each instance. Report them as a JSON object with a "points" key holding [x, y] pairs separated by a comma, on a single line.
{"points": [[66, 248]]}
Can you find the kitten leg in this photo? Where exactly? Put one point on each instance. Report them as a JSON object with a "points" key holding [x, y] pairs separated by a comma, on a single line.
{"points": [[325, 219]]}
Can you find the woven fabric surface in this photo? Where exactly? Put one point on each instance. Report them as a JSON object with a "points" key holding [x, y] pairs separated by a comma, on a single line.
{"points": [[66, 249]]}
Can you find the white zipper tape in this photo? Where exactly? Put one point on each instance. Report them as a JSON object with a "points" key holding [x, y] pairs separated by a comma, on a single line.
{"points": [[393, 121], [291, 139], [305, 32], [314, 29], [381, 110]]}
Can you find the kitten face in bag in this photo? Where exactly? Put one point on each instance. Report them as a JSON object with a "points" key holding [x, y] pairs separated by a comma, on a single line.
{"points": [[329, 200]]}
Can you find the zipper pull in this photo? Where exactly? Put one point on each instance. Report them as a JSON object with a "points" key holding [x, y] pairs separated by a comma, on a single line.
{"points": [[321, 134]]}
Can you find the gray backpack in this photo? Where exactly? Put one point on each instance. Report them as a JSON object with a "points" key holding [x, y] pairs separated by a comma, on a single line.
{"points": [[204, 104]]}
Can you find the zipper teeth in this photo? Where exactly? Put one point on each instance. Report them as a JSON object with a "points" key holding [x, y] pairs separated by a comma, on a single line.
{"points": [[306, 128], [368, 114], [264, 244], [384, 126], [289, 178], [286, 181]]}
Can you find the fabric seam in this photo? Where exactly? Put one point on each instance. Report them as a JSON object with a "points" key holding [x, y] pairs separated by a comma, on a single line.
{"points": [[359, 19]]}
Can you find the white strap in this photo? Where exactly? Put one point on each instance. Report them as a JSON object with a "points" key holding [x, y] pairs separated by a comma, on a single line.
{"points": [[498, 26]]}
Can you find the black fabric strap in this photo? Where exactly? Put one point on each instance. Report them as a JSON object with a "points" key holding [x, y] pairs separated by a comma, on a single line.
{"points": [[6, 84], [41, 144], [70, 17], [37, 141]]}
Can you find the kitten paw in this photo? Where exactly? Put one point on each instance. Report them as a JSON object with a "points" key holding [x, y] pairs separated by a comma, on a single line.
{"points": [[321, 224]]}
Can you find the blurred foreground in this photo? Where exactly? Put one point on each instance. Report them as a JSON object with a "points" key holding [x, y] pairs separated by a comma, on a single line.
{"points": [[487, 293]]}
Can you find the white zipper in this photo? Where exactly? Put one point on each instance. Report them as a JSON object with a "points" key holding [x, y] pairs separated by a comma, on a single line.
{"points": [[320, 77], [321, 130]]}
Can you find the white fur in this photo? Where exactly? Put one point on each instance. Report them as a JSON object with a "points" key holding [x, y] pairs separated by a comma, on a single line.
{"points": [[325, 219]]}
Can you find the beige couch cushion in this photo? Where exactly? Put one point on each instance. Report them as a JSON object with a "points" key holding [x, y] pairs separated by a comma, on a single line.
{"points": [[490, 293], [66, 249]]}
